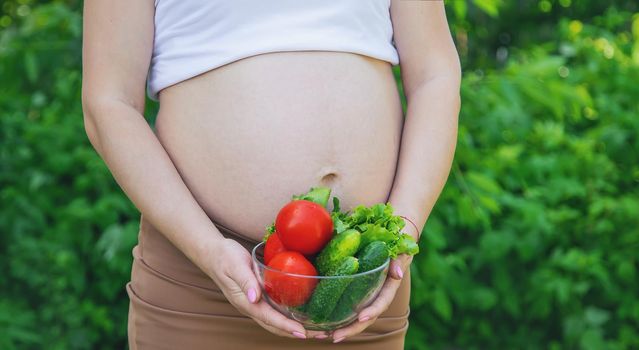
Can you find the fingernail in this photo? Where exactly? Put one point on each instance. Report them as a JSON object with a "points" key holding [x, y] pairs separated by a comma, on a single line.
{"points": [[399, 272], [321, 336], [252, 295], [338, 340], [364, 319], [299, 335]]}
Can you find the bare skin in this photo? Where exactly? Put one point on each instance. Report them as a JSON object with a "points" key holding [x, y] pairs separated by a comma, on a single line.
{"points": [[311, 118], [233, 144]]}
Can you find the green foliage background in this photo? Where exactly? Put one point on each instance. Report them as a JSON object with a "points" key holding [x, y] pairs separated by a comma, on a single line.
{"points": [[533, 244]]}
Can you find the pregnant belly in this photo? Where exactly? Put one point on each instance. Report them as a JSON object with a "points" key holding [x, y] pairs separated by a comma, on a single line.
{"points": [[248, 135]]}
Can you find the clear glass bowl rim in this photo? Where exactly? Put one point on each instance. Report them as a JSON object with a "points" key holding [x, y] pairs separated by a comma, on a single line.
{"points": [[359, 274]]}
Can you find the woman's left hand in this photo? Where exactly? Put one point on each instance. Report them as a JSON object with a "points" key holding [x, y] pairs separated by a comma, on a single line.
{"points": [[368, 315]]}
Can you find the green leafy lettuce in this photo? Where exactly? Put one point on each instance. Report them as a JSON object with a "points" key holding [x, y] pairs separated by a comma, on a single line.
{"points": [[375, 223]]}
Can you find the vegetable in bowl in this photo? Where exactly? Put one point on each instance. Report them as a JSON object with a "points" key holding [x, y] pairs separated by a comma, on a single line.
{"points": [[351, 259]]}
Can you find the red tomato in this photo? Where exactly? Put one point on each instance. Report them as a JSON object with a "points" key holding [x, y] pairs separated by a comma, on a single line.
{"points": [[285, 289], [272, 247], [304, 226]]}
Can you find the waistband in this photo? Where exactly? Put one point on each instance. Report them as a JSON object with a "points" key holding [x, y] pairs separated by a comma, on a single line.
{"points": [[164, 257]]}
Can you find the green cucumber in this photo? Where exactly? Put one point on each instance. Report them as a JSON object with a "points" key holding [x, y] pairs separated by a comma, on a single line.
{"points": [[370, 257], [328, 290], [339, 247]]}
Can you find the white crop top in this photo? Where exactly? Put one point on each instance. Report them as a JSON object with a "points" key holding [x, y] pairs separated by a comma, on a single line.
{"points": [[195, 36]]}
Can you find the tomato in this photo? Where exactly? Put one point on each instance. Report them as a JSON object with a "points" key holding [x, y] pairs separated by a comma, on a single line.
{"points": [[272, 247], [304, 226], [285, 289]]}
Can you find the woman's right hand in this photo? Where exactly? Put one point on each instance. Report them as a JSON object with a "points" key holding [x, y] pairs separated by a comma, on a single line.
{"points": [[230, 266]]}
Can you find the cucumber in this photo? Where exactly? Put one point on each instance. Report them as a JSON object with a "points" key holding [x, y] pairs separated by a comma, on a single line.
{"points": [[299, 308], [328, 291], [370, 257], [339, 247]]}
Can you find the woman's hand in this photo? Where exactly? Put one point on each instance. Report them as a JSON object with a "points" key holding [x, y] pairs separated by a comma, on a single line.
{"points": [[231, 269], [367, 316]]}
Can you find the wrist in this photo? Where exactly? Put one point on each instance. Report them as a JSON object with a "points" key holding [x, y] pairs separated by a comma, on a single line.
{"points": [[206, 248], [411, 228], [413, 216]]}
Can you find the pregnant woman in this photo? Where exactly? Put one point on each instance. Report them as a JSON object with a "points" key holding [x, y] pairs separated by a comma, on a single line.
{"points": [[259, 100]]}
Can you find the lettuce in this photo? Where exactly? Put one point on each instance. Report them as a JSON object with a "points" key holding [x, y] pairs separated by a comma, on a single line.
{"points": [[318, 195], [269, 231], [404, 245], [376, 223], [376, 232]]}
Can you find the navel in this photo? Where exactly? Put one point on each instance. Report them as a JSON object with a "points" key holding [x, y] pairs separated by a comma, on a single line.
{"points": [[328, 179], [328, 175]]}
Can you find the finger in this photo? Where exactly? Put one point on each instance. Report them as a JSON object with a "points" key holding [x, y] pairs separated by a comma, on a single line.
{"points": [[316, 334], [275, 320], [244, 277], [274, 330], [383, 300], [398, 266], [350, 330], [261, 310], [267, 314]]}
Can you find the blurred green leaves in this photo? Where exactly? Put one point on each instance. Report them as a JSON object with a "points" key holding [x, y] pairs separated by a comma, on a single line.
{"points": [[534, 241], [66, 230]]}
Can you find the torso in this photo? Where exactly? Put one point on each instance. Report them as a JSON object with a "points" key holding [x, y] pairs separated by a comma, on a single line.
{"points": [[248, 135]]}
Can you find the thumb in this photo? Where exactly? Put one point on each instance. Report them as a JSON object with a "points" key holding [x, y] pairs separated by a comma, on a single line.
{"points": [[251, 287], [398, 266], [246, 280]]}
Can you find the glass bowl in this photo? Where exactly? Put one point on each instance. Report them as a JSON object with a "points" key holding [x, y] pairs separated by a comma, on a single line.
{"points": [[359, 291]]}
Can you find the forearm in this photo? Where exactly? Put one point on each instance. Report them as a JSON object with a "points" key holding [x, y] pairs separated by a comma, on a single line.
{"points": [[427, 148], [144, 171]]}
